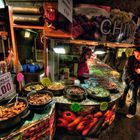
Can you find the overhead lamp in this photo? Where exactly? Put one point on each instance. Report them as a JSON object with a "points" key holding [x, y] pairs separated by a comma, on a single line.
{"points": [[99, 49], [2, 4], [59, 49], [27, 34]]}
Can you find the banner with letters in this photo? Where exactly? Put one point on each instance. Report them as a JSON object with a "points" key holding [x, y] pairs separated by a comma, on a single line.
{"points": [[101, 23]]}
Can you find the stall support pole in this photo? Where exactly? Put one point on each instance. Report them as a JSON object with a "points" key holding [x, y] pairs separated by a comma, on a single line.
{"points": [[13, 39], [45, 54]]}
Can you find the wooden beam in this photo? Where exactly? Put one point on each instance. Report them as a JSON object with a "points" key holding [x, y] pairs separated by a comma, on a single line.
{"points": [[28, 26], [56, 33], [13, 39], [95, 43]]}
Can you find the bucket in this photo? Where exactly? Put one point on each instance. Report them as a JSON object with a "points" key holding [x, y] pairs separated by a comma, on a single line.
{"points": [[25, 67], [32, 68]]}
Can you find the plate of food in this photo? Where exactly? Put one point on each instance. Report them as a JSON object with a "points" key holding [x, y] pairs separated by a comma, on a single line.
{"points": [[98, 93], [76, 93], [38, 100]]}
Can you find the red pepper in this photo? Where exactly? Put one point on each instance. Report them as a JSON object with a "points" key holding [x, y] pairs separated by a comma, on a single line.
{"points": [[98, 114], [109, 115], [62, 122], [88, 117], [107, 112], [82, 125], [114, 107], [92, 124], [111, 119], [68, 115], [75, 122], [70, 128]]}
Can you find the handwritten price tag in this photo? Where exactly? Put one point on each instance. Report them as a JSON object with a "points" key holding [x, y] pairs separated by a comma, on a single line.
{"points": [[6, 85]]}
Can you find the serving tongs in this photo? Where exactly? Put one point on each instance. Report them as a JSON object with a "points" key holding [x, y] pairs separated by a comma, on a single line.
{"points": [[32, 86], [10, 103]]}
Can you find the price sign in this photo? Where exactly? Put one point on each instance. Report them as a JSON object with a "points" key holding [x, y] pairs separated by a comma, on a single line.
{"points": [[65, 7], [6, 85]]}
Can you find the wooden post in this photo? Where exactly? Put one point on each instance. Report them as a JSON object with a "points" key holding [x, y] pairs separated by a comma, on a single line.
{"points": [[13, 39], [45, 53]]}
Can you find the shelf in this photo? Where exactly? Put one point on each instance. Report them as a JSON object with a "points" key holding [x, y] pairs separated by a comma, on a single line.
{"points": [[28, 26], [49, 32]]}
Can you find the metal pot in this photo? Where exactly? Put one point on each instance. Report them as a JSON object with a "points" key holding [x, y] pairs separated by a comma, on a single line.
{"points": [[73, 95], [10, 122], [37, 107], [57, 92], [32, 85]]}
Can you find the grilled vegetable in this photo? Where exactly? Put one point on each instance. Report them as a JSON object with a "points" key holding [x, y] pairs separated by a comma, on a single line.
{"points": [[62, 122], [91, 125], [68, 115], [75, 122], [97, 126]]}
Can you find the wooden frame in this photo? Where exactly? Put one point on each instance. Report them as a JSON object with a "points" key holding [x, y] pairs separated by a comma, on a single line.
{"points": [[47, 32], [12, 26]]}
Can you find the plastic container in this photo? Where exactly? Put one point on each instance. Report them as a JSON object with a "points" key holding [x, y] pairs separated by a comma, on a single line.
{"points": [[25, 67], [32, 68]]}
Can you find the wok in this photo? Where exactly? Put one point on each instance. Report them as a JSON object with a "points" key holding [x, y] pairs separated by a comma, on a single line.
{"points": [[10, 122], [37, 107]]}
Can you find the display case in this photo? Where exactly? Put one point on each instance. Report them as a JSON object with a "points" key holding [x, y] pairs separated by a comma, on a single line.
{"points": [[37, 125]]}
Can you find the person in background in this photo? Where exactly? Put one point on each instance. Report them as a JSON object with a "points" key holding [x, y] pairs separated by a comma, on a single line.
{"points": [[120, 63], [131, 77], [82, 65], [1, 56], [110, 58]]}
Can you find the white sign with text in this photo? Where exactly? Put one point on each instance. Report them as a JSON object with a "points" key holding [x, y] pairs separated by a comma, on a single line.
{"points": [[65, 7], [6, 85]]}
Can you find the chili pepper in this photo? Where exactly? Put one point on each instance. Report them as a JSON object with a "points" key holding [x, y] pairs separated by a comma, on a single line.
{"points": [[62, 122], [109, 115], [107, 112], [114, 107], [98, 114], [85, 131], [81, 125], [96, 130], [69, 116], [70, 128], [88, 117], [111, 119], [105, 123], [75, 122]]}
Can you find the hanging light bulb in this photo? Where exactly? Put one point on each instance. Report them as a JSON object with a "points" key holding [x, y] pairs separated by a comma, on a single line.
{"points": [[59, 49], [99, 49]]}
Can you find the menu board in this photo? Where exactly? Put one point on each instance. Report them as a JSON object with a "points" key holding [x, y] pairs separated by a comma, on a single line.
{"points": [[6, 85]]}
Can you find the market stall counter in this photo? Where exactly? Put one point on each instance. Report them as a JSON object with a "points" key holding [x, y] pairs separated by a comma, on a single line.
{"points": [[85, 110], [37, 125], [87, 117]]}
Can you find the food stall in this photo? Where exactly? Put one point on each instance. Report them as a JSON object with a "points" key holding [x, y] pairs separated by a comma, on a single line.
{"points": [[25, 118], [83, 109], [88, 108]]}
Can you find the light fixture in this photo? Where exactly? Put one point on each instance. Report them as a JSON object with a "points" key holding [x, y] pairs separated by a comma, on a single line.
{"points": [[59, 49], [27, 34], [99, 49], [2, 4]]}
